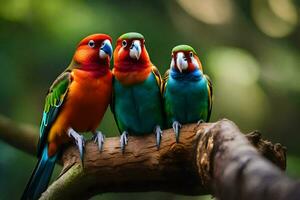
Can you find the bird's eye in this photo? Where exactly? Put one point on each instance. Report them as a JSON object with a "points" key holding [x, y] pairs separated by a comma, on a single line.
{"points": [[102, 45], [91, 43], [124, 43], [191, 54]]}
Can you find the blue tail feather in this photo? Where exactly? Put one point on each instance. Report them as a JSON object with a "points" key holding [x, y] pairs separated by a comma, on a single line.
{"points": [[40, 177]]}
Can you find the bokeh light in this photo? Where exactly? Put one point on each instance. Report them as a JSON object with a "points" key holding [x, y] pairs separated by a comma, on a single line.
{"points": [[276, 18], [236, 75], [210, 12]]}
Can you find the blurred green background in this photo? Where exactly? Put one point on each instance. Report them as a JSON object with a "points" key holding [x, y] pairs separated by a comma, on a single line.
{"points": [[249, 48]]}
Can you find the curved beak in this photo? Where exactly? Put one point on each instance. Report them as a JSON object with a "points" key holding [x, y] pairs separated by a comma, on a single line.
{"points": [[106, 49], [135, 49], [181, 62]]}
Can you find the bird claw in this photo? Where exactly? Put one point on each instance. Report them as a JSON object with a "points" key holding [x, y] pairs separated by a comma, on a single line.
{"points": [[124, 140], [99, 138], [79, 141], [158, 135], [176, 127], [201, 121]]}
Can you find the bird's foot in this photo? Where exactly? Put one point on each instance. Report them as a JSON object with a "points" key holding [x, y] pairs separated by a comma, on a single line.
{"points": [[99, 138], [176, 127], [158, 134], [124, 140], [79, 141], [201, 121]]}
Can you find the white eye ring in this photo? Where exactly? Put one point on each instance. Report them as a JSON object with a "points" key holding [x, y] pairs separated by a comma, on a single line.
{"points": [[191, 54], [91, 43], [124, 43]]}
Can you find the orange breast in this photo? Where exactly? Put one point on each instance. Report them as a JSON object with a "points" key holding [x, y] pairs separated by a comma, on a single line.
{"points": [[84, 106], [131, 77]]}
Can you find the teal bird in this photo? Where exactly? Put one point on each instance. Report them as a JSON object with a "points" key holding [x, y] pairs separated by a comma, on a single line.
{"points": [[187, 92], [137, 100]]}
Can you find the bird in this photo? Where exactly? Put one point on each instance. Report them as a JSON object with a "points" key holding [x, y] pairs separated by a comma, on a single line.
{"points": [[187, 91], [137, 100], [75, 102]]}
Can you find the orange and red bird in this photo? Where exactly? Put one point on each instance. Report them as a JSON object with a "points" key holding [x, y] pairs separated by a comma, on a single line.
{"points": [[137, 101], [76, 102]]}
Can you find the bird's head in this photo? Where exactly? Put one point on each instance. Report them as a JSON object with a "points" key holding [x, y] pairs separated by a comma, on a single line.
{"points": [[94, 52], [130, 52], [185, 59]]}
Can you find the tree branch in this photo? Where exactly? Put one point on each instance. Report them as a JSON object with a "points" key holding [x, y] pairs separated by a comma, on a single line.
{"points": [[211, 158], [239, 171], [22, 136]]}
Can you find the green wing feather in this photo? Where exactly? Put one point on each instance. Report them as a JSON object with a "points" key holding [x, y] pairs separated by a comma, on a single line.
{"points": [[165, 81], [210, 95], [157, 77], [53, 102]]}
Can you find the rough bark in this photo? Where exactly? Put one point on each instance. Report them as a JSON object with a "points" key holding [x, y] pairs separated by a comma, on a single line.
{"points": [[211, 158], [240, 172], [198, 165]]}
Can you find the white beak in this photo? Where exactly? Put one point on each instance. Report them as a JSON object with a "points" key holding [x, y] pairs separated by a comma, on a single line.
{"points": [[135, 49], [181, 62]]}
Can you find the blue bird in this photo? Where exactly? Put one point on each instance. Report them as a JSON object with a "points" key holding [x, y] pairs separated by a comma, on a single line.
{"points": [[187, 92]]}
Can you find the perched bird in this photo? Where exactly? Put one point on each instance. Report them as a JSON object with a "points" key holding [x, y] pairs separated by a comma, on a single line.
{"points": [[76, 102], [137, 101], [187, 92]]}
